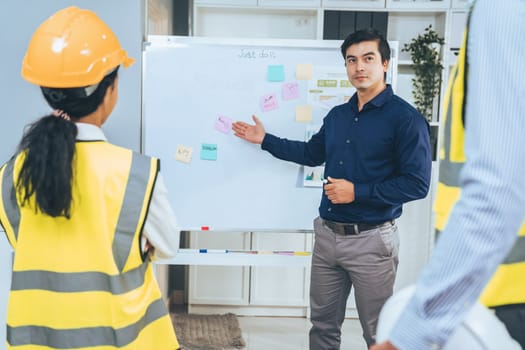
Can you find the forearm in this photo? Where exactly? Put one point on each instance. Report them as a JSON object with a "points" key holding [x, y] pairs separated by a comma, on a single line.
{"points": [[294, 151], [477, 238], [393, 192]]}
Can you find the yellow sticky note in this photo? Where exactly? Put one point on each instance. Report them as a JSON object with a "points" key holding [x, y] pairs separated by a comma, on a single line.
{"points": [[183, 154], [303, 114], [304, 71]]}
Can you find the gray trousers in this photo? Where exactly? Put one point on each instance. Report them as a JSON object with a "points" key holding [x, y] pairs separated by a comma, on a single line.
{"points": [[368, 261]]}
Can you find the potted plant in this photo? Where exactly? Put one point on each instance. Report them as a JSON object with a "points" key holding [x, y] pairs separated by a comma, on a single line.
{"points": [[425, 53]]}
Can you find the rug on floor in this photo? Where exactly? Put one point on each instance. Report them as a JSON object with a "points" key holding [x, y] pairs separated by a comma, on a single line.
{"points": [[208, 332]]}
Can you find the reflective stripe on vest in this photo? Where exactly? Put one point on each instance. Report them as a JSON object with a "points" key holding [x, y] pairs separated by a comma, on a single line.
{"points": [[508, 283], [130, 215], [11, 220], [451, 155], [115, 296], [74, 282], [84, 337], [449, 169]]}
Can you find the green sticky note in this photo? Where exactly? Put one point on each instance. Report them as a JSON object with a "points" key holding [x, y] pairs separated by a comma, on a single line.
{"points": [[276, 72], [327, 83], [208, 151]]}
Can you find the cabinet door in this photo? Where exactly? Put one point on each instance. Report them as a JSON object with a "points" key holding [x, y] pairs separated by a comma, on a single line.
{"points": [[417, 4], [354, 4], [243, 3], [290, 3], [219, 285], [282, 285], [252, 22]]}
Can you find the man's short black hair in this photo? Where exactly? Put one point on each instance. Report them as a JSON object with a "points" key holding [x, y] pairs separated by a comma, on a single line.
{"points": [[367, 35]]}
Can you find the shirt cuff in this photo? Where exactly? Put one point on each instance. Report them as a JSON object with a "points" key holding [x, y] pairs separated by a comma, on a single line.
{"points": [[361, 191], [412, 332], [269, 141]]}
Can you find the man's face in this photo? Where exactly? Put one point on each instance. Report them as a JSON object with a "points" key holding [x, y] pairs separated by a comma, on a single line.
{"points": [[364, 67]]}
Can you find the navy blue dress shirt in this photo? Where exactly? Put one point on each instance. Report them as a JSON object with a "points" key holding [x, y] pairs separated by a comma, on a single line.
{"points": [[384, 149]]}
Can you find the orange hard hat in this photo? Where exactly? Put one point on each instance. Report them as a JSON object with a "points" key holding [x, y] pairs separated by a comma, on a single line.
{"points": [[72, 48]]}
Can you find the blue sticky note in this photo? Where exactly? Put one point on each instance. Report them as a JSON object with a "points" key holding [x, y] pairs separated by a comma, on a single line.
{"points": [[276, 72], [208, 151]]}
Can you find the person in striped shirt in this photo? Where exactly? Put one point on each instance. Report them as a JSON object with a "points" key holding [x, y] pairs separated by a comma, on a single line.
{"points": [[482, 226]]}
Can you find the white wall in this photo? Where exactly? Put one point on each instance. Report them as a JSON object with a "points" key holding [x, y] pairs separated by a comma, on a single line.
{"points": [[22, 102]]}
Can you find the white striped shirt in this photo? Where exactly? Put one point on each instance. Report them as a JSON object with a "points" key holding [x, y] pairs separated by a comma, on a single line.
{"points": [[483, 224]]}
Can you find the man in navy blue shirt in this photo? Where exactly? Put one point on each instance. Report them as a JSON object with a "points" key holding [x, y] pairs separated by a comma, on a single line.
{"points": [[376, 150]]}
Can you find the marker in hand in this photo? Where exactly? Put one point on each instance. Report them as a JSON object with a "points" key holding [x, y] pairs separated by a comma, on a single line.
{"points": [[340, 191]]}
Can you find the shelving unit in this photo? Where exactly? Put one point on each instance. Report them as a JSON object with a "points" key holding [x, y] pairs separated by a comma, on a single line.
{"points": [[259, 289], [304, 19]]}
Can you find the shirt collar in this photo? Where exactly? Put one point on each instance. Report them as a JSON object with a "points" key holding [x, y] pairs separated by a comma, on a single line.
{"points": [[89, 132], [378, 101]]}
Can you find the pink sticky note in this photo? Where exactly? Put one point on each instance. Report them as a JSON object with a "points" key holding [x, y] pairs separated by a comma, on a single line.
{"points": [[223, 124], [269, 102], [290, 91]]}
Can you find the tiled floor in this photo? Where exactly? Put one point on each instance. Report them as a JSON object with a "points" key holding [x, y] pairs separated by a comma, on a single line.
{"points": [[283, 333]]}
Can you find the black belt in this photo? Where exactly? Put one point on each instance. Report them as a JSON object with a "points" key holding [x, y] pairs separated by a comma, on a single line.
{"points": [[352, 229]]}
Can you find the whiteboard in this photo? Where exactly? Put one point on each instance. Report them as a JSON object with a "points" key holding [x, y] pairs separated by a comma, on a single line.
{"points": [[190, 82]]}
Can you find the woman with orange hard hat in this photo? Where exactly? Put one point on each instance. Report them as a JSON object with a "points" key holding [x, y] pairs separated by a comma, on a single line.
{"points": [[84, 217]]}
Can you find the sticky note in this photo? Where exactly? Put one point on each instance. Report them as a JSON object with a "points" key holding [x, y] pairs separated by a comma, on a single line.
{"points": [[303, 113], [290, 91], [304, 71], [209, 151], [223, 124], [183, 154], [330, 83], [269, 102], [276, 72]]}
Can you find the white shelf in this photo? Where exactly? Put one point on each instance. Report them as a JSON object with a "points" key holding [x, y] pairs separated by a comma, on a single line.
{"points": [[186, 257], [418, 4], [408, 62], [226, 2], [290, 3], [352, 4]]}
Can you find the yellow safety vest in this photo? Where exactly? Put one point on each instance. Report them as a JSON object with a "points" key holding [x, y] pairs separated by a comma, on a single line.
{"points": [[82, 283], [508, 284]]}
